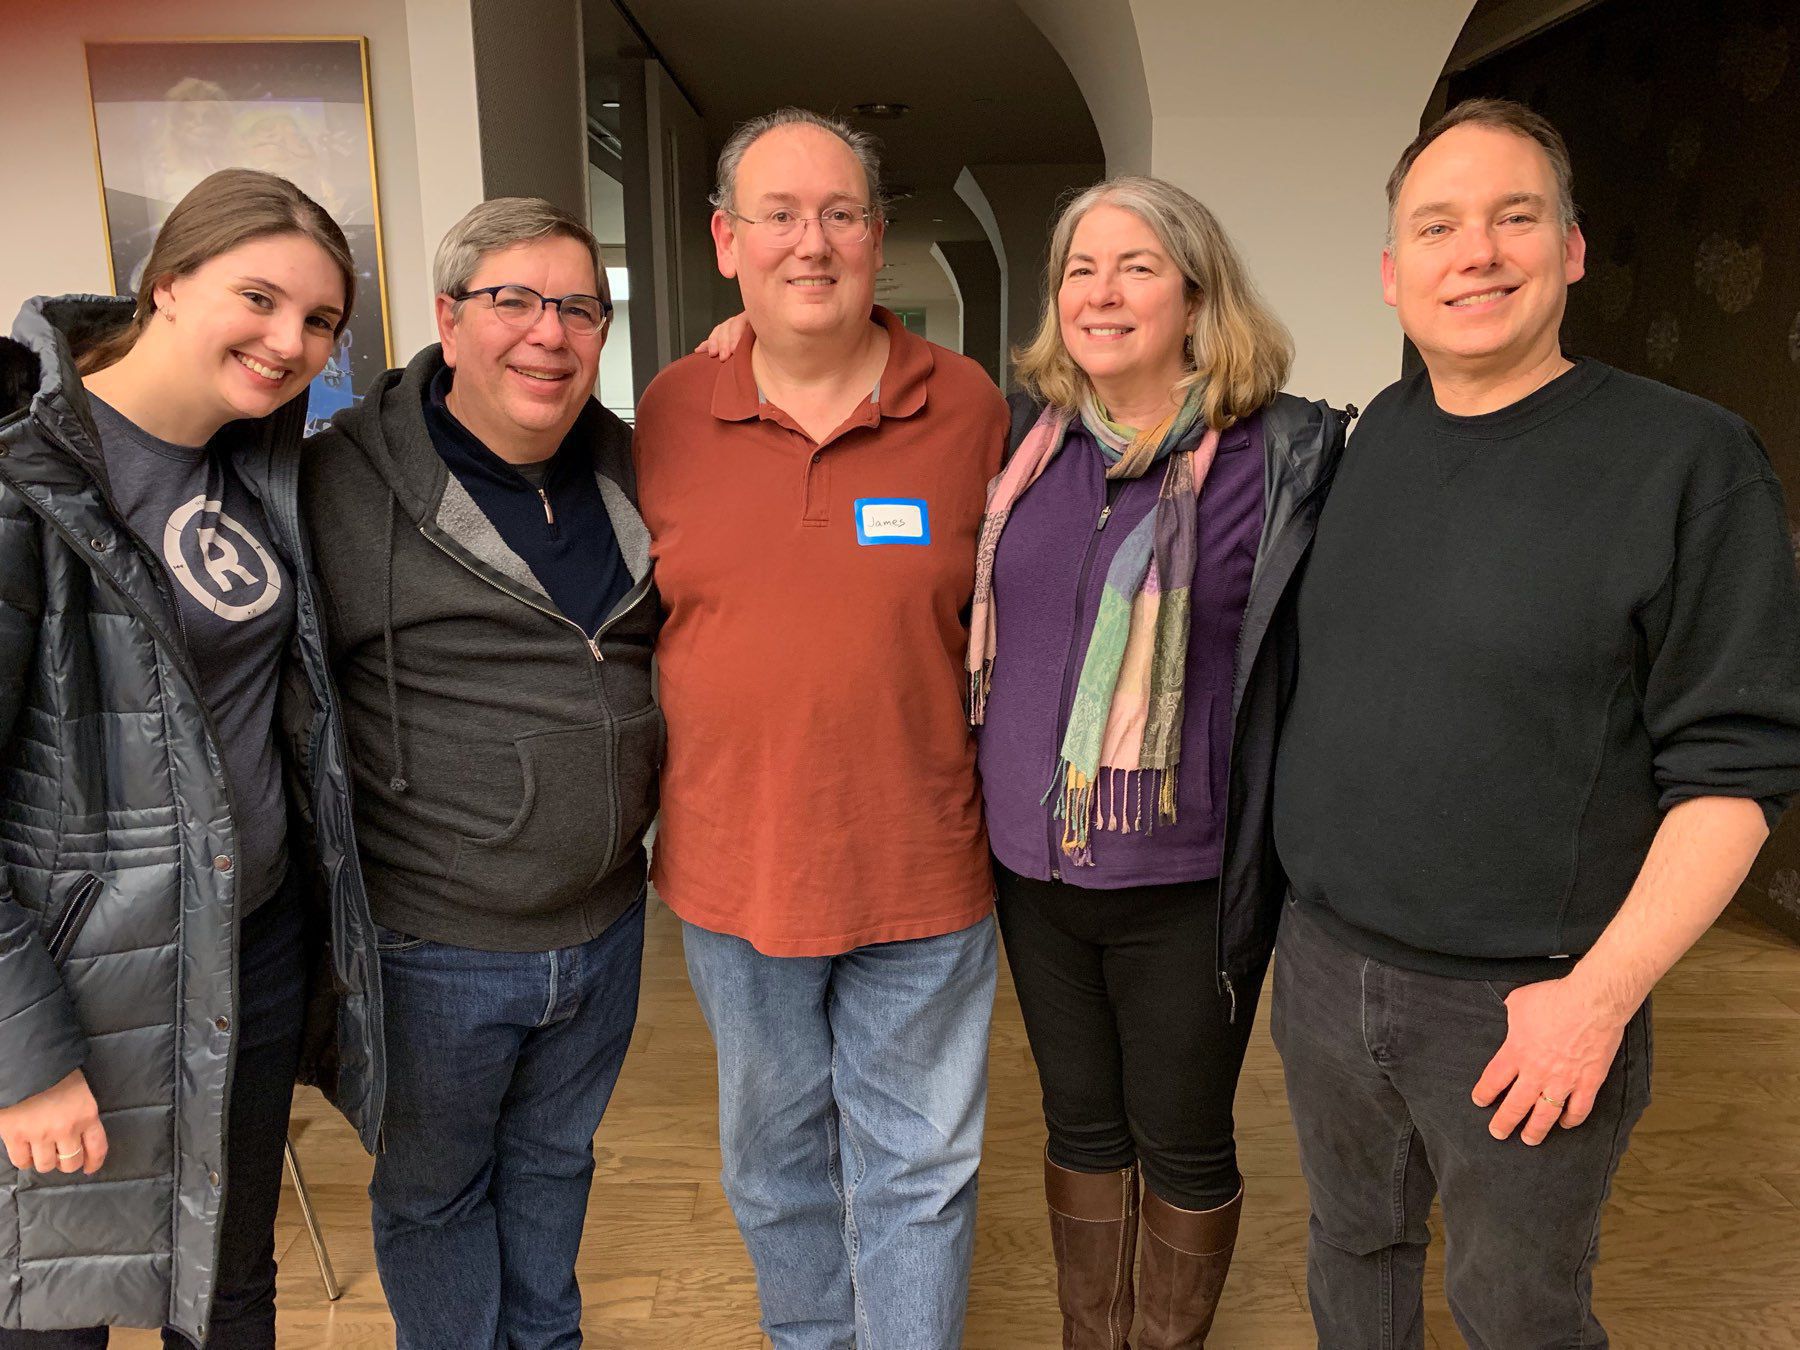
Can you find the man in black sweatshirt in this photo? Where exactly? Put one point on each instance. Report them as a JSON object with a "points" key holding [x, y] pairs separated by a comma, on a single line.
{"points": [[1547, 708], [490, 613]]}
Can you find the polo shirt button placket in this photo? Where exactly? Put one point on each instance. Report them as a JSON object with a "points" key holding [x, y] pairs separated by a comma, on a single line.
{"points": [[813, 492]]}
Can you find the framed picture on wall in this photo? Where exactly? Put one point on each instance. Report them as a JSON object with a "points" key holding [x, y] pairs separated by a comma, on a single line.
{"points": [[167, 112]]}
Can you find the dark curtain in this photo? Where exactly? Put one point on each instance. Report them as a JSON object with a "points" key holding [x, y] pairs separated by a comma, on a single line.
{"points": [[1683, 123]]}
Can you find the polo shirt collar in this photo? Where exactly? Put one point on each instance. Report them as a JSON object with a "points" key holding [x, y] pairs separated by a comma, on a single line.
{"points": [[899, 393]]}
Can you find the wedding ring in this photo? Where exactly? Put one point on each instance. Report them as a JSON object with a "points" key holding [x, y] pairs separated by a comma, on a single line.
{"points": [[66, 1156], [1548, 1100]]}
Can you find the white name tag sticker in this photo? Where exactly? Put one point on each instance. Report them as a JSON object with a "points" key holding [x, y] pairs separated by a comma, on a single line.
{"points": [[892, 520]]}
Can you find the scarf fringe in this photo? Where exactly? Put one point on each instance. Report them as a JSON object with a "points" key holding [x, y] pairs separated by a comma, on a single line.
{"points": [[1082, 807], [980, 681]]}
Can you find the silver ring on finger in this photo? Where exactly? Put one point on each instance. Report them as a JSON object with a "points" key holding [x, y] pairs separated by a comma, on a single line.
{"points": [[67, 1156]]}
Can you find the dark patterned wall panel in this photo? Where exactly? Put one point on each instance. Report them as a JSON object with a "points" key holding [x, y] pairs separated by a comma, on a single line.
{"points": [[1683, 122]]}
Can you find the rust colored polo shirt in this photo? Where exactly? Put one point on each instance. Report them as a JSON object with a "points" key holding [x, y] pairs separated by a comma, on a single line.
{"points": [[819, 792]]}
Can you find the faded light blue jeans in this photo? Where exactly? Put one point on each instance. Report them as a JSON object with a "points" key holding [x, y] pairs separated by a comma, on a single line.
{"points": [[852, 1093]]}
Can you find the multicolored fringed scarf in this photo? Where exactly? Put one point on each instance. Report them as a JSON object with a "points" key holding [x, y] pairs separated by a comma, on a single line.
{"points": [[1127, 712]]}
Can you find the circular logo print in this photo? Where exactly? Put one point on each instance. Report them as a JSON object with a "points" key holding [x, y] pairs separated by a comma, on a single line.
{"points": [[219, 562]]}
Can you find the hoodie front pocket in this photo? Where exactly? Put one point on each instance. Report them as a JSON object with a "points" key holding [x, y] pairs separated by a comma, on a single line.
{"points": [[566, 825]]}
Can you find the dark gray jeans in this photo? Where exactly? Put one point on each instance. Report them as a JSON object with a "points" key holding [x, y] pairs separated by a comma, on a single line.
{"points": [[1380, 1063]]}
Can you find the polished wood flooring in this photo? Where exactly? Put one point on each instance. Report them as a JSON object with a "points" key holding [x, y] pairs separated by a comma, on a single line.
{"points": [[1701, 1248]]}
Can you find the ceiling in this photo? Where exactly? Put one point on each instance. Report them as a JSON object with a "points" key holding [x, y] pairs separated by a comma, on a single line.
{"points": [[983, 83]]}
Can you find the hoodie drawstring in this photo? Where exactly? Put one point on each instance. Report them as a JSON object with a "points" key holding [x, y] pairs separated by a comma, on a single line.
{"points": [[398, 781]]}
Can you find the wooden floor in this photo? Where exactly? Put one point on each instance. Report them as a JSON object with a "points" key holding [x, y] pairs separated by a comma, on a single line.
{"points": [[1701, 1247]]}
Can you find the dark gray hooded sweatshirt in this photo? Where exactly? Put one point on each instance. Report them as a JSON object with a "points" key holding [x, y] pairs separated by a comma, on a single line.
{"points": [[505, 763]]}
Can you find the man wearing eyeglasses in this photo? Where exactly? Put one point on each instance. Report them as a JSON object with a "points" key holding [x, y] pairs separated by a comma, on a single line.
{"points": [[490, 613], [814, 503]]}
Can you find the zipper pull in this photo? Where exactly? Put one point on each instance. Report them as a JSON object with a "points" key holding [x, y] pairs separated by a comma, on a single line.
{"points": [[594, 647], [1105, 511], [549, 515]]}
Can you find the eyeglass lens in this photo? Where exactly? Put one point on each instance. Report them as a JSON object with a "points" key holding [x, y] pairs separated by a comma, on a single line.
{"points": [[518, 305]]}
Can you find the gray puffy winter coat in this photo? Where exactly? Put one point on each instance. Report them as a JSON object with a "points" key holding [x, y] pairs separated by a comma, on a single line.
{"points": [[116, 836]]}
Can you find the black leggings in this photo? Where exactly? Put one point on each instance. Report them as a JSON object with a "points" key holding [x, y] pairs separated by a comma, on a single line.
{"points": [[271, 1000], [1134, 1050]]}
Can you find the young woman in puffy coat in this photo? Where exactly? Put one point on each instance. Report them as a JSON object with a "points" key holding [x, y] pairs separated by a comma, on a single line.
{"points": [[171, 780]]}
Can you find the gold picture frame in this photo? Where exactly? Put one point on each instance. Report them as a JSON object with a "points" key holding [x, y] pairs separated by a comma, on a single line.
{"points": [[168, 111]]}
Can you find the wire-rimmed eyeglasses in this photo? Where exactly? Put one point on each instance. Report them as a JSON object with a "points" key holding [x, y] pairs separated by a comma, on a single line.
{"points": [[519, 307], [839, 224]]}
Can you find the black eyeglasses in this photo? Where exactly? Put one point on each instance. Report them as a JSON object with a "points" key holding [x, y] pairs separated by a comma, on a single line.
{"points": [[519, 307]]}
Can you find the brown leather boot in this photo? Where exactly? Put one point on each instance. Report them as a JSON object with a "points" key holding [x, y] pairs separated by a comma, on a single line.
{"points": [[1093, 1226], [1186, 1255]]}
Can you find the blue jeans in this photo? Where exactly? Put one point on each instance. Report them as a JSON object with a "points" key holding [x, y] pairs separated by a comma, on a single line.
{"points": [[500, 1065], [852, 1092]]}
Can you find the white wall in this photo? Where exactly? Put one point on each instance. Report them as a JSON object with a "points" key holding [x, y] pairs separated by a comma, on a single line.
{"points": [[52, 234], [1284, 117], [447, 137], [1016, 204], [1098, 41], [943, 323]]}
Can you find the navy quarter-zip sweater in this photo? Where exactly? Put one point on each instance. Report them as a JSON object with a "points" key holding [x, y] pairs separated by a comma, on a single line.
{"points": [[559, 527]]}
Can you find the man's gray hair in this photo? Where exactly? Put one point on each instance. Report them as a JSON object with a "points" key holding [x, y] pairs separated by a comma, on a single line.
{"points": [[861, 144], [503, 223]]}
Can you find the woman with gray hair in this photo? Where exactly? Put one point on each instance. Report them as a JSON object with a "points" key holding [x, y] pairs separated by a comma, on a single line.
{"points": [[1131, 645]]}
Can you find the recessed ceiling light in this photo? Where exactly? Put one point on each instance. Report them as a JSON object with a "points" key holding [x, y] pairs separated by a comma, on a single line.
{"points": [[884, 111], [610, 103]]}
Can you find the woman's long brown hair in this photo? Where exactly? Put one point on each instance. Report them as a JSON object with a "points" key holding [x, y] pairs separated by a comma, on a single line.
{"points": [[223, 210]]}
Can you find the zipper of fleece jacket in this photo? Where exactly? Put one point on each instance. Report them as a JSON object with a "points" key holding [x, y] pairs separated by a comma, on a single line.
{"points": [[637, 591]]}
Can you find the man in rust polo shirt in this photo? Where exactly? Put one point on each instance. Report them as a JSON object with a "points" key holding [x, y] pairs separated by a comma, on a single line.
{"points": [[814, 504]]}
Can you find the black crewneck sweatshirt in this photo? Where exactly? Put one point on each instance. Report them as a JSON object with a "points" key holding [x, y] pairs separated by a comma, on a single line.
{"points": [[1523, 637]]}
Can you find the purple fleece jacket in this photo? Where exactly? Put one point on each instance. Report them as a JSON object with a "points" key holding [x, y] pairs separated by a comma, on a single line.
{"points": [[1048, 576]]}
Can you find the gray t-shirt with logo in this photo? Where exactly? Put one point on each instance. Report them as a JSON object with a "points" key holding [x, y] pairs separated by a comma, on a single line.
{"points": [[235, 604]]}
